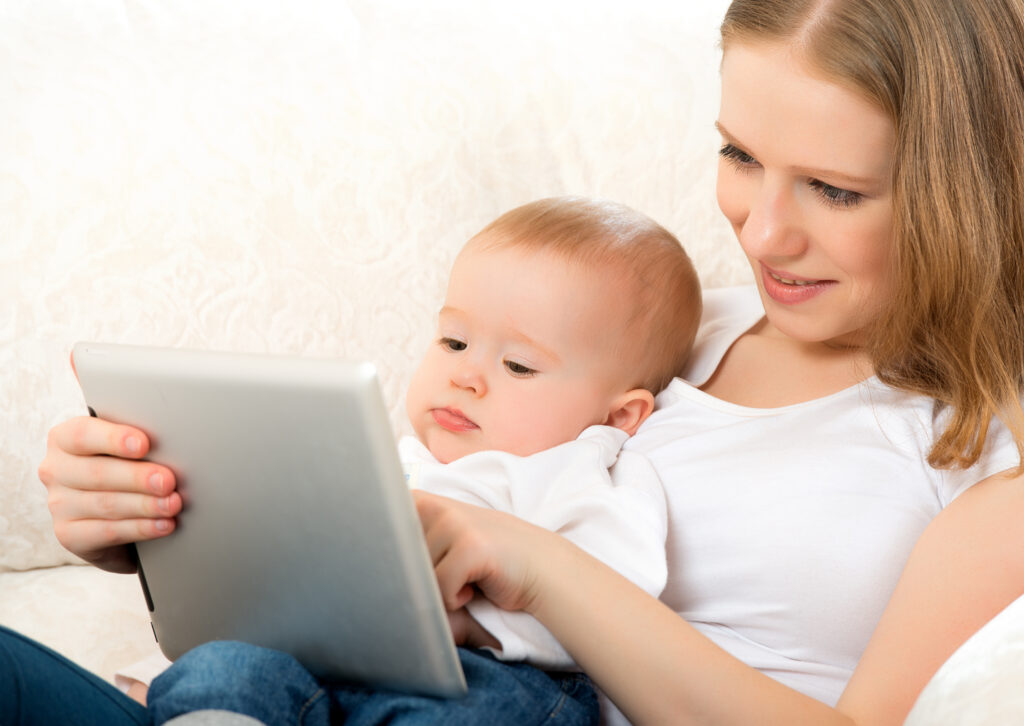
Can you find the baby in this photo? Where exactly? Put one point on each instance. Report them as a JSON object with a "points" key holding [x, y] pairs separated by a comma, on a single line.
{"points": [[562, 320]]}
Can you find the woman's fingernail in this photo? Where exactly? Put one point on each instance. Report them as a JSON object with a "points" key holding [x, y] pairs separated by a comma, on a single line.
{"points": [[133, 444], [156, 482]]}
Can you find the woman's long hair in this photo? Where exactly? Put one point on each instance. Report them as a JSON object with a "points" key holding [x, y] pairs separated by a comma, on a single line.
{"points": [[950, 75]]}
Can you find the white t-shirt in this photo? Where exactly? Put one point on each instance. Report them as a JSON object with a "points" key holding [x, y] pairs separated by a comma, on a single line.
{"points": [[606, 501], [789, 527]]}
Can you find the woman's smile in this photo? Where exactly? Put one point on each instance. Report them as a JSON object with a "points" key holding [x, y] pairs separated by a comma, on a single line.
{"points": [[788, 289]]}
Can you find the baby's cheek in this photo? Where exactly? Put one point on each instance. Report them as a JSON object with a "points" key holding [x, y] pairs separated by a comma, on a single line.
{"points": [[538, 435]]}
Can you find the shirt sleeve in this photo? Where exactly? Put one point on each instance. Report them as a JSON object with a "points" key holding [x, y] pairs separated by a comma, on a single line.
{"points": [[999, 454]]}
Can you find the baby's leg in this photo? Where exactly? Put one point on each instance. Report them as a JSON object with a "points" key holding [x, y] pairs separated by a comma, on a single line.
{"points": [[267, 685], [499, 693]]}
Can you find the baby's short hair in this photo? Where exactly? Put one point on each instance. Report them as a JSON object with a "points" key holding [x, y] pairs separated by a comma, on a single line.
{"points": [[614, 239]]}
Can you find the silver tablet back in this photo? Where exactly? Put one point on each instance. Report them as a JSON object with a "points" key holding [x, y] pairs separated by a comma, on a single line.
{"points": [[298, 532]]}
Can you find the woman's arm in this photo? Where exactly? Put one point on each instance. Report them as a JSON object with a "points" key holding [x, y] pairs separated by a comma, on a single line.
{"points": [[968, 565], [101, 496], [650, 662]]}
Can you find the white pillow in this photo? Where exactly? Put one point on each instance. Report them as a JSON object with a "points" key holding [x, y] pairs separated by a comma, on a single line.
{"points": [[983, 682]]}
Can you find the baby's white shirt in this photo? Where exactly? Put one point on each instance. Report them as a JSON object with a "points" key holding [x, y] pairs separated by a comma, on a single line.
{"points": [[608, 502]]}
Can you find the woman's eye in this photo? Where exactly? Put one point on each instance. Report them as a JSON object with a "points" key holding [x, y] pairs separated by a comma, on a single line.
{"points": [[735, 156], [518, 369], [834, 196], [452, 344]]}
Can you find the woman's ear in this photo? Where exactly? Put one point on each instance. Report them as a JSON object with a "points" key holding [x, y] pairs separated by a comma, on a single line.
{"points": [[630, 410]]}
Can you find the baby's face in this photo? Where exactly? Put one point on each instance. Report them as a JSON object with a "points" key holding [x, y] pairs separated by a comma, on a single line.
{"points": [[523, 358]]}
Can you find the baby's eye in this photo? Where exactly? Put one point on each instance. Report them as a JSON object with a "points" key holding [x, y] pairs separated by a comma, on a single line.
{"points": [[518, 369], [834, 196], [453, 344]]}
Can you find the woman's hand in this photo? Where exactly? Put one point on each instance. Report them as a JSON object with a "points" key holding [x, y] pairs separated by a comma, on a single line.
{"points": [[100, 496], [499, 554], [468, 632]]}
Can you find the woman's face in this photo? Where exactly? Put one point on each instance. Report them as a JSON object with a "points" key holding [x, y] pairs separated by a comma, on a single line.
{"points": [[804, 178]]}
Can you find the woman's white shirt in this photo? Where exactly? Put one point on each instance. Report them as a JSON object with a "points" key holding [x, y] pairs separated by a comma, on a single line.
{"points": [[789, 527]]}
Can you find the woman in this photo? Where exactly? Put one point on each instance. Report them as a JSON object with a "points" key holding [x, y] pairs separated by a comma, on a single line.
{"points": [[861, 520], [843, 467]]}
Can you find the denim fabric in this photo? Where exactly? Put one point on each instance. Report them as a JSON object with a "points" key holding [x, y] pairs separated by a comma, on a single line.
{"points": [[266, 684], [499, 693], [274, 688], [38, 687]]}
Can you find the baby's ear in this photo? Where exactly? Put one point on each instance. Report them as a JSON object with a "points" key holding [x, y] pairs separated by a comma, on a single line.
{"points": [[630, 410]]}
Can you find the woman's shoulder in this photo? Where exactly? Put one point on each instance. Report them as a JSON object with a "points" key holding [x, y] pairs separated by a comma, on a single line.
{"points": [[728, 313], [999, 454]]}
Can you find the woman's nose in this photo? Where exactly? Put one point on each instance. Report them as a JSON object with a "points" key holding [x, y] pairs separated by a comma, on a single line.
{"points": [[773, 227]]}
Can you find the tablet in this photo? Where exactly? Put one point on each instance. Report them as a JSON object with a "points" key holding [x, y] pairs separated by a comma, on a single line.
{"points": [[298, 531]]}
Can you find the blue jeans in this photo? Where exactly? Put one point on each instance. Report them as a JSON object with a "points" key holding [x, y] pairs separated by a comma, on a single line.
{"points": [[274, 688], [38, 687]]}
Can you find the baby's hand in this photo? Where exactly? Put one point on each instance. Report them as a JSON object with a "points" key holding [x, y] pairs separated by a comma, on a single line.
{"points": [[100, 496]]}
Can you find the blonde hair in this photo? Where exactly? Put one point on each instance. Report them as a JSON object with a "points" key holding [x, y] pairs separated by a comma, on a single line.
{"points": [[612, 238], [950, 75]]}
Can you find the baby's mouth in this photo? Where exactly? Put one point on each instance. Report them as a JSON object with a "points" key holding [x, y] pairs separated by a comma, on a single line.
{"points": [[452, 419]]}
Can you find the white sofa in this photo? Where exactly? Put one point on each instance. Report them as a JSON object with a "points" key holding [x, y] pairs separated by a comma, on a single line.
{"points": [[296, 177]]}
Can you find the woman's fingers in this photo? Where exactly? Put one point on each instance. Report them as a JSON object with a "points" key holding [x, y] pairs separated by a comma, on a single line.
{"points": [[432, 513], [95, 540], [455, 575], [86, 436], [106, 473], [76, 504], [444, 532], [101, 496], [471, 545], [87, 521], [468, 632]]}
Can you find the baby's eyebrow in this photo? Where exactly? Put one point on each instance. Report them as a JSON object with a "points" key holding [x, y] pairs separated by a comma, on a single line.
{"points": [[510, 333], [542, 349], [448, 310]]}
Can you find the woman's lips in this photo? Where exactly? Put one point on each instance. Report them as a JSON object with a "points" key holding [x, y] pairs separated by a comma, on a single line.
{"points": [[452, 420], [789, 289]]}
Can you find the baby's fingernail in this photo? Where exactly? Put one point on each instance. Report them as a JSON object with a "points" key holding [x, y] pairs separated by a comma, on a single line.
{"points": [[156, 482], [133, 444], [162, 525]]}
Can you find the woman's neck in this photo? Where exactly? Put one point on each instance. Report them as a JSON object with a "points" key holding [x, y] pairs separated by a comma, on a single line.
{"points": [[766, 369]]}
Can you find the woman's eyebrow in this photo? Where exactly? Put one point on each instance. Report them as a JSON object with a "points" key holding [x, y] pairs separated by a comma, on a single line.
{"points": [[723, 131], [834, 174]]}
